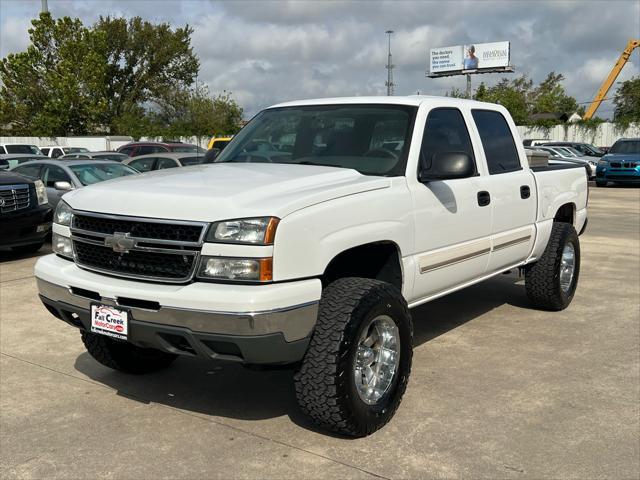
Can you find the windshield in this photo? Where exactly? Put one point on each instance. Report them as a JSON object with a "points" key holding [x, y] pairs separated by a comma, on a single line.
{"points": [[372, 139], [23, 149], [626, 146], [188, 149], [89, 174], [186, 161]]}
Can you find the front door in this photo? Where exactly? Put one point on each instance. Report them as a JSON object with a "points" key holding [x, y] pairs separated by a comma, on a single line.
{"points": [[452, 221]]}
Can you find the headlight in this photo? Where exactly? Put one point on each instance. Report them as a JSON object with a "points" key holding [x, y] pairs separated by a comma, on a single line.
{"points": [[62, 245], [239, 269], [41, 192], [592, 163], [256, 231], [63, 215], [603, 163]]}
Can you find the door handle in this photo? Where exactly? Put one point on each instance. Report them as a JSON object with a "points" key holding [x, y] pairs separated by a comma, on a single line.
{"points": [[525, 191], [484, 198]]}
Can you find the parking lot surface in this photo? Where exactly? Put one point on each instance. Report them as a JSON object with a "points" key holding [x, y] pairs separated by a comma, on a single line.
{"points": [[498, 390]]}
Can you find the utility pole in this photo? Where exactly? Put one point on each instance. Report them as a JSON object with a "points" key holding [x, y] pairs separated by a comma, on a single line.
{"points": [[389, 83], [45, 7], [468, 86]]}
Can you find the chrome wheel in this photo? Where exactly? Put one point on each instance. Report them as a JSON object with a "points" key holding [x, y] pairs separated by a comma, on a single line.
{"points": [[377, 359], [567, 267]]}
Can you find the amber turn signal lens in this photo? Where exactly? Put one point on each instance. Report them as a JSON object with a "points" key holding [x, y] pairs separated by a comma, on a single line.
{"points": [[266, 269], [270, 233]]}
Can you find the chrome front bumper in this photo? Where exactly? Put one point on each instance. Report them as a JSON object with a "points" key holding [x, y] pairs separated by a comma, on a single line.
{"points": [[294, 323]]}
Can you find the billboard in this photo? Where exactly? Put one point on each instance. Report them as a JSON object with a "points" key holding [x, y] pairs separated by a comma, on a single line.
{"points": [[477, 56]]}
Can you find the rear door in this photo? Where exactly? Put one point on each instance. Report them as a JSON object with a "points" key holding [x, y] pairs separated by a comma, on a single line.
{"points": [[143, 164], [452, 224], [512, 190]]}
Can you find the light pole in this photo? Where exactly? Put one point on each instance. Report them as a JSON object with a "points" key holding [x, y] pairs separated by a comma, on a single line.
{"points": [[45, 7]]}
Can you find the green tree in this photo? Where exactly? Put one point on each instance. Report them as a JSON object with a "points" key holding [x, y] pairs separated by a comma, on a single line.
{"points": [[627, 102], [145, 63], [55, 86], [550, 97], [512, 94]]}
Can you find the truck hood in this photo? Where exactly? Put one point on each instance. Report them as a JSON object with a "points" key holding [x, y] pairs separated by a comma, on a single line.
{"points": [[222, 191]]}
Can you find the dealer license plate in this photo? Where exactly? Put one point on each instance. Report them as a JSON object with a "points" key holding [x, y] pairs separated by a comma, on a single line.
{"points": [[110, 321]]}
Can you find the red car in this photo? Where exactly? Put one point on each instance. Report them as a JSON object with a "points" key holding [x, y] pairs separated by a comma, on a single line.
{"points": [[134, 149]]}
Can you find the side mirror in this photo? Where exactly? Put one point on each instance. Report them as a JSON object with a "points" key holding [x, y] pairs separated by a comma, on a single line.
{"points": [[63, 186], [447, 166]]}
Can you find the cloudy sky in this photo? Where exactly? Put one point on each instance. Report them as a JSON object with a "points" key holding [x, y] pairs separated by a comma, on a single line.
{"points": [[267, 52]]}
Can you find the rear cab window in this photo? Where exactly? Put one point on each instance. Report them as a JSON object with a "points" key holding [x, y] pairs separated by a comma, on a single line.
{"points": [[497, 142]]}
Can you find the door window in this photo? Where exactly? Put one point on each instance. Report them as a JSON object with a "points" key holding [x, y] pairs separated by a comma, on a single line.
{"points": [[143, 164], [45, 151], [445, 131], [52, 174], [497, 142], [56, 152], [28, 170], [166, 163], [146, 149], [127, 151]]}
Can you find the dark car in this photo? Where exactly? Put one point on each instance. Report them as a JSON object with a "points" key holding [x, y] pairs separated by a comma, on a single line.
{"points": [[621, 164], [161, 161], [135, 149], [25, 216], [584, 148]]}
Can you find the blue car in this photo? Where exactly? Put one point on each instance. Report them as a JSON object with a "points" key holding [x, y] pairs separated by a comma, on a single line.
{"points": [[621, 164]]}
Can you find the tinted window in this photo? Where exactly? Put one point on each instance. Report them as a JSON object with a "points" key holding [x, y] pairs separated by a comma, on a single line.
{"points": [[186, 161], [22, 149], [52, 174], [445, 131], [143, 164], [146, 149], [127, 151], [99, 172], [111, 156], [187, 149], [166, 163], [497, 142], [45, 151], [57, 152]]}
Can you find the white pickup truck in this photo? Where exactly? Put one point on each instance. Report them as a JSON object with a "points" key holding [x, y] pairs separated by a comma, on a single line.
{"points": [[309, 240]]}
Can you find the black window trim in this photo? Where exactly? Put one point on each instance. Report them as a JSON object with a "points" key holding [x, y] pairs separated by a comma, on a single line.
{"points": [[473, 150], [484, 151]]}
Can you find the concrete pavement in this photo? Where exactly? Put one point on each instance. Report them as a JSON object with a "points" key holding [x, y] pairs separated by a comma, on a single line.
{"points": [[498, 390]]}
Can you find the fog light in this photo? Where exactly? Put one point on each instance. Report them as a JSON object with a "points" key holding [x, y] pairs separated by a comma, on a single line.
{"points": [[62, 245], [43, 227], [243, 269]]}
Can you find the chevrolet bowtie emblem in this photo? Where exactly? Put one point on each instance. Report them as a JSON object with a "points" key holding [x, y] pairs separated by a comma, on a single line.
{"points": [[120, 242]]}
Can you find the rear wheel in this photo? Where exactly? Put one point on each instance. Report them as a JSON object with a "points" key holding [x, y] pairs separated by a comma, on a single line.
{"points": [[124, 356], [355, 372], [551, 282]]}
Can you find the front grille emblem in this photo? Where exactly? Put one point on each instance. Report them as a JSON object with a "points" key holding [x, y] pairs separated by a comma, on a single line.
{"points": [[120, 242]]}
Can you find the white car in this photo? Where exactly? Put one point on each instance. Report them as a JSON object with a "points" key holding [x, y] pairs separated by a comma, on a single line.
{"points": [[55, 151], [19, 148], [314, 254]]}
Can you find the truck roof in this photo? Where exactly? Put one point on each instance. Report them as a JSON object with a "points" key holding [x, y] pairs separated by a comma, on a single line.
{"points": [[414, 100]]}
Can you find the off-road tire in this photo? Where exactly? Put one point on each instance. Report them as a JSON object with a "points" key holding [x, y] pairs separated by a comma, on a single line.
{"points": [[124, 356], [34, 247], [601, 183], [542, 279], [325, 385]]}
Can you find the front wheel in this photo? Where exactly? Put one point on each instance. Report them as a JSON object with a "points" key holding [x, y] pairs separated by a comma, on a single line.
{"points": [[601, 183], [551, 282], [355, 372]]}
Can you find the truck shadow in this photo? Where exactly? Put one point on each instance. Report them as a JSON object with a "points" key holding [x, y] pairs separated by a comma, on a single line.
{"points": [[216, 389]]}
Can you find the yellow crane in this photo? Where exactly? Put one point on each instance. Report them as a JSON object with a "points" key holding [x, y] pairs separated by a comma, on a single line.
{"points": [[606, 85]]}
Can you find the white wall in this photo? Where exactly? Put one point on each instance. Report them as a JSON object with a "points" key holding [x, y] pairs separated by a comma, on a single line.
{"points": [[604, 135], [94, 144]]}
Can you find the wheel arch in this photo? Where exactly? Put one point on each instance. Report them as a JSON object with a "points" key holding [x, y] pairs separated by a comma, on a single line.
{"points": [[566, 213], [379, 260]]}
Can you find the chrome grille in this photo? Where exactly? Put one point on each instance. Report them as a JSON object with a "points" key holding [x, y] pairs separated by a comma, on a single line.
{"points": [[153, 249], [14, 197]]}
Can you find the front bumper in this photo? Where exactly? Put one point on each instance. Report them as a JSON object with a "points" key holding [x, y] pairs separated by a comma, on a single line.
{"points": [[25, 227], [251, 324], [618, 175]]}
